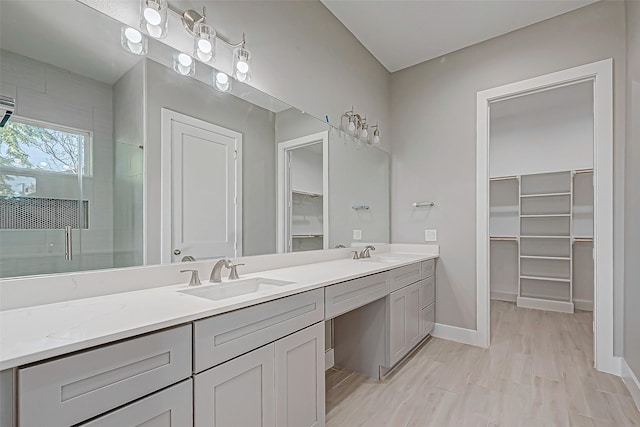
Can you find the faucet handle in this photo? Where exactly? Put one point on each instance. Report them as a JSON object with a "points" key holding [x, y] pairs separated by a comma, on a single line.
{"points": [[195, 278], [233, 274], [355, 255]]}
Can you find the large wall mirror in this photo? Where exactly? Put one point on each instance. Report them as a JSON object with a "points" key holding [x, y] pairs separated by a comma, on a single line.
{"points": [[112, 159]]}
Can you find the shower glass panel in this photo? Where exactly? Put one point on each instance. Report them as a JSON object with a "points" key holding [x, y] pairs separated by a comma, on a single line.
{"points": [[44, 210]]}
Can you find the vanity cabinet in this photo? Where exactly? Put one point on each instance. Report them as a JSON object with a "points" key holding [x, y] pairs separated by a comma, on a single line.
{"points": [[404, 321], [280, 384], [72, 389], [170, 407]]}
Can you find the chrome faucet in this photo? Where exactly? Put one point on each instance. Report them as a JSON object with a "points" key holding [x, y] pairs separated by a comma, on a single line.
{"points": [[233, 274], [195, 279], [365, 253], [216, 276]]}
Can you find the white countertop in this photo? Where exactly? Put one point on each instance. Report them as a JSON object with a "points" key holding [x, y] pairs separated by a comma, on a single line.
{"points": [[35, 333]]}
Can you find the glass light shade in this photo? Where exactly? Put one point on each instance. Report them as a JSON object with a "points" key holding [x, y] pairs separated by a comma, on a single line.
{"points": [[364, 133], [221, 81], [351, 127], [133, 41], [204, 42], [376, 136], [184, 65], [241, 64], [153, 18]]}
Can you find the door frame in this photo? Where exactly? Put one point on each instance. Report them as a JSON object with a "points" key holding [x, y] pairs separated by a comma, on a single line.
{"points": [[167, 117], [284, 148], [601, 74]]}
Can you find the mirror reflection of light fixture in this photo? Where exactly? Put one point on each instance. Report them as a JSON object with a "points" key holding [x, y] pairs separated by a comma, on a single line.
{"points": [[364, 130], [133, 41], [153, 18], [184, 65], [242, 63], [221, 81]]}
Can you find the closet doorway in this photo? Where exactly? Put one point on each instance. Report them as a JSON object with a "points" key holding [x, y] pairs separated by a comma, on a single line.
{"points": [[545, 208]]}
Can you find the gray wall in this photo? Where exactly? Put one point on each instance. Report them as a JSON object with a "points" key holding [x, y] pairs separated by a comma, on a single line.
{"points": [[128, 135], [433, 111], [165, 89], [632, 188]]}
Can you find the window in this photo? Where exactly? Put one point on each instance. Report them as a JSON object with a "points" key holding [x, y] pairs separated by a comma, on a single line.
{"points": [[36, 146]]}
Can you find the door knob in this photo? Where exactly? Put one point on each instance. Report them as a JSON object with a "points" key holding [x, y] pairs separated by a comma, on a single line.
{"points": [[177, 251]]}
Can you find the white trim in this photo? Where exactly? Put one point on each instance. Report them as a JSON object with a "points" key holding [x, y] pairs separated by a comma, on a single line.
{"points": [[453, 333], [283, 149], [601, 73], [631, 381], [329, 359], [543, 304], [167, 118], [504, 296], [583, 304]]}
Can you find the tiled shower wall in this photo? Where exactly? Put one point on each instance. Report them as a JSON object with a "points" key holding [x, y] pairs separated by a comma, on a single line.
{"points": [[54, 95]]}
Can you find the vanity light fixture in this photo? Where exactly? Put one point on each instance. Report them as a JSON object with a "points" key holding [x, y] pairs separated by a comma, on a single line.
{"points": [[357, 126], [153, 18], [183, 64], [204, 42], [133, 41], [242, 62], [221, 81], [376, 135]]}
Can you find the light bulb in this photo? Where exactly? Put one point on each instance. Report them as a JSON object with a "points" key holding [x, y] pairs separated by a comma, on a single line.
{"points": [[133, 35], [364, 134], [222, 78], [376, 139], [204, 46], [242, 67], [221, 82], [351, 127], [185, 60], [152, 16], [241, 77], [154, 31]]}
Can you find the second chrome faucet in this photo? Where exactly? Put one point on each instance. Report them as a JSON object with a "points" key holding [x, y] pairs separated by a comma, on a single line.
{"points": [[216, 273]]}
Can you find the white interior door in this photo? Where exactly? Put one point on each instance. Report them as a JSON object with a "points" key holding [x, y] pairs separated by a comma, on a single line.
{"points": [[201, 210]]}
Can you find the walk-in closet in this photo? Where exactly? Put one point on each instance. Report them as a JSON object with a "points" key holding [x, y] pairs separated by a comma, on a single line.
{"points": [[542, 199]]}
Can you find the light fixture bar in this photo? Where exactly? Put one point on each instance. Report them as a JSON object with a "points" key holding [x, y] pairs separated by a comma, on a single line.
{"points": [[191, 17]]}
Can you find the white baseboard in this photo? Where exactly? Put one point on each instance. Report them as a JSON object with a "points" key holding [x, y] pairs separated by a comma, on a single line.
{"points": [[583, 304], [453, 333], [631, 381], [329, 359], [504, 296], [542, 304]]}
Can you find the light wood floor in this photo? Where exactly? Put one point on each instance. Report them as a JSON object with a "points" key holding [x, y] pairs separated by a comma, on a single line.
{"points": [[537, 372]]}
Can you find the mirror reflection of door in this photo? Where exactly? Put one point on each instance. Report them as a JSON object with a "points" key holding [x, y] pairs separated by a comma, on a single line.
{"points": [[201, 189], [303, 189]]}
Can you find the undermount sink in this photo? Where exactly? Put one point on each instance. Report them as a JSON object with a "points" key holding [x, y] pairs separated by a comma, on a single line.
{"points": [[236, 288]]}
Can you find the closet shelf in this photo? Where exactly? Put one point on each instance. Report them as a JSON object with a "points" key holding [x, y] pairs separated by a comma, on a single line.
{"points": [[550, 279], [554, 258], [545, 237], [503, 238], [307, 236], [545, 195], [545, 216], [305, 193]]}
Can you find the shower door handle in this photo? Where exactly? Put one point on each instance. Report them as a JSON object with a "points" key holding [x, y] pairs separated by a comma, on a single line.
{"points": [[68, 254]]}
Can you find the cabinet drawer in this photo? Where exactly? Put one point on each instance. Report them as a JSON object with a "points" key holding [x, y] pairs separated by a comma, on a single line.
{"points": [[427, 320], [428, 268], [72, 389], [427, 291], [220, 338], [403, 276], [170, 407], [346, 296]]}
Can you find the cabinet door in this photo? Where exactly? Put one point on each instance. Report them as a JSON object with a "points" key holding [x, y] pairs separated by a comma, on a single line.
{"points": [[300, 378], [170, 407], [412, 315], [397, 325], [237, 393]]}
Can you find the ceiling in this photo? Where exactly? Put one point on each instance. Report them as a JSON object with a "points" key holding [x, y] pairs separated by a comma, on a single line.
{"points": [[402, 33]]}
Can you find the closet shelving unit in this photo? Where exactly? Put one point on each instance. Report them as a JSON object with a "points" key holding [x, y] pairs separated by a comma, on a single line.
{"points": [[306, 205], [544, 234]]}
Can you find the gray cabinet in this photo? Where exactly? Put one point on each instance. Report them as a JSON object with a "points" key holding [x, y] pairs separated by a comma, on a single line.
{"points": [[72, 389], [346, 296], [237, 393], [170, 407], [404, 321], [280, 384], [300, 378]]}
